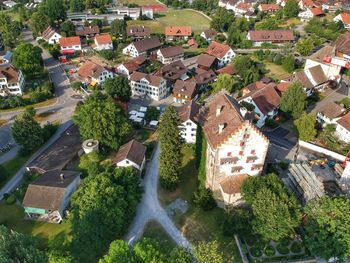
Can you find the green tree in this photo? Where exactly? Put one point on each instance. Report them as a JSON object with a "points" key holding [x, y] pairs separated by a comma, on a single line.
{"points": [[118, 28], [327, 227], [180, 255], [276, 211], [76, 5], [90, 163], [291, 9], [237, 221], [68, 28], [101, 210], [148, 251], [27, 132], [267, 24], [305, 46], [226, 82], [59, 249], [17, 247], [9, 30], [55, 10], [118, 87], [293, 101], [28, 58], [249, 70], [100, 118], [119, 251], [38, 22], [170, 148], [306, 126], [152, 113], [208, 252], [288, 63], [222, 19]]}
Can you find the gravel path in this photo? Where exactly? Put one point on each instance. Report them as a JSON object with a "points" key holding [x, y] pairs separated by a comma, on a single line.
{"points": [[150, 208]]}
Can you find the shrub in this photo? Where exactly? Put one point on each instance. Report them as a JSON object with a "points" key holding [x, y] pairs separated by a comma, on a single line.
{"points": [[286, 241], [11, 199], [203, 197], [296, 247], [256, 252], [269, 251], [282, 249]]}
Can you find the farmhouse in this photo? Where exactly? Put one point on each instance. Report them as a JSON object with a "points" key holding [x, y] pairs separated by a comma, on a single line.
{"points": [[258, 37], [170, 54], [127, 68], [344, 18], [87, 32], [184, 91], [103, 42], [50, 35], [222, 52], [311, 13], [138, 32], [330, 113], [188, 115], [142, 47], [209, 34], [176, 33], [93, 73]]}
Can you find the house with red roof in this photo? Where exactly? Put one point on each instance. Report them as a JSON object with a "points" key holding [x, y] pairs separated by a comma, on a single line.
{"points": [[344, 18], [222, 52], [69, 45], [103, 42], [175, 33], [310, 13], [269, 7]]}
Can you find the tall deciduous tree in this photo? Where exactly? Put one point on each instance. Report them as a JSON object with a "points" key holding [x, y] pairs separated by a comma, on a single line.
{"points": [[119, 251], [305, 46], [77, 5], [38, 22], [118, 28], [224, 81], [102, 208], [291, 9], [9, 30], [17, 247], [68, 28], [28, 58], [147, 251], [293, 101], [276, 211], [27, 132], [249, 70], [222, 19], [55, 10], [208, 252], [101, 119], [288, 63], [327, 227], [118, 87], [170, 148], [306, 126]]}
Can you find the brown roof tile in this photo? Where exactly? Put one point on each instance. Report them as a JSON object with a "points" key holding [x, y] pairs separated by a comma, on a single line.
{"points": [[138, 31], [185, 88], [271, 35], [147, 44], [87, 30], [189, 111], [90, 69], [232, 184], [217, 50], [345, 121], [173, 71], [178, 31], [205, 77], [206, 60], [152, 79], [342, 44], [267, 98], [332, 110], [133, 151], [10, 73], [173, 51], [318, 74]]}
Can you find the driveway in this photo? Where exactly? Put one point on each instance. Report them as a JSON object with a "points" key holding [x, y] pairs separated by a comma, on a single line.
{"points": [[150, 208]]}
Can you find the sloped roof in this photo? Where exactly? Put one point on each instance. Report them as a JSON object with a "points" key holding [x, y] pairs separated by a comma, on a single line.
{"points": [[303, 79], [69, 41], [267, 98], [205, 77], [316, 11], [90, 69], [345, 17], [232, 184], [173, 71], [228, 69], [178, 31], [206, 60], [152, 79], [186, 88], [138, 31], [345, 121], [342, 44], [332, 110], [217, 50], [48, 33], [210, 33], [10, 73], [318, 75], [133, 151], [87, 30], [173, 51], [189, 111], [269, 7], [147, 44], [103, 39], [271, 35], [47, 191]]}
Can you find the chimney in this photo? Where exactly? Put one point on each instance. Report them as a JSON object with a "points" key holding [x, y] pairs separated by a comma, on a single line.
{"points": [[62, 177], [221, 127], [218, 110]]}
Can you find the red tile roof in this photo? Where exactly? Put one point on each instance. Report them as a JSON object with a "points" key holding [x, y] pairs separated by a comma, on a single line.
{"points": [[229, 69], [269, 7], [345, 17], [345, 121], [316, 11], [69, 41], [217, 50], [178, 31], [133, 151], [103, 39], [271, 35]]}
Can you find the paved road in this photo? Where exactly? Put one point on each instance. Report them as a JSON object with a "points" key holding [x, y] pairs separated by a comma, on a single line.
{"points": [[277, 137], [150, 208], [63, 108]]}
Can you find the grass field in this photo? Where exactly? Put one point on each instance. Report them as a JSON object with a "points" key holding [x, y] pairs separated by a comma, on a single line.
{"points": [[141, 2], [9, 168], [45, 103], [176, 18], [276, 71], [155, 231], [12, 217]]}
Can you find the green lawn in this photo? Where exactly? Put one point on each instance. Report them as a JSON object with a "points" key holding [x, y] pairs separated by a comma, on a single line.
{"points": [[155, 231], [276, 71], [12, 217], [141, 2], [10, 168], [175, 18]]}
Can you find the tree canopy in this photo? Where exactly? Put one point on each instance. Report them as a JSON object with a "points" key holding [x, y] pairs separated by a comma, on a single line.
{"points": [[249, 70], [38, 22], [327, 227], [305, 46], [118, 87], [55, 10], [306, 126], [17, 247], [291, 9], [102, 208], [100, 118], [170, 148], [28, 58], [119, 251], [68, 28], [276, 211], [226, 82], [27, 132], [208, 252], [9, 30], [152, 113], [118, 28], [293, 101], [222, 19]]}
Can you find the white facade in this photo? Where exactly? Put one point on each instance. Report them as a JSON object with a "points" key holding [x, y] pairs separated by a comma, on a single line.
{"points": [[106, 74], [168, 60], [325, 120], [131, 51], [54, 38], [306, 15], [143, 87], [339, 18], [75, 47], [332, 71], [342, 133], [243, 153], [16, 88], [121, 69], [222, 62], [127, 163], [188, 131], [105, 46]]}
